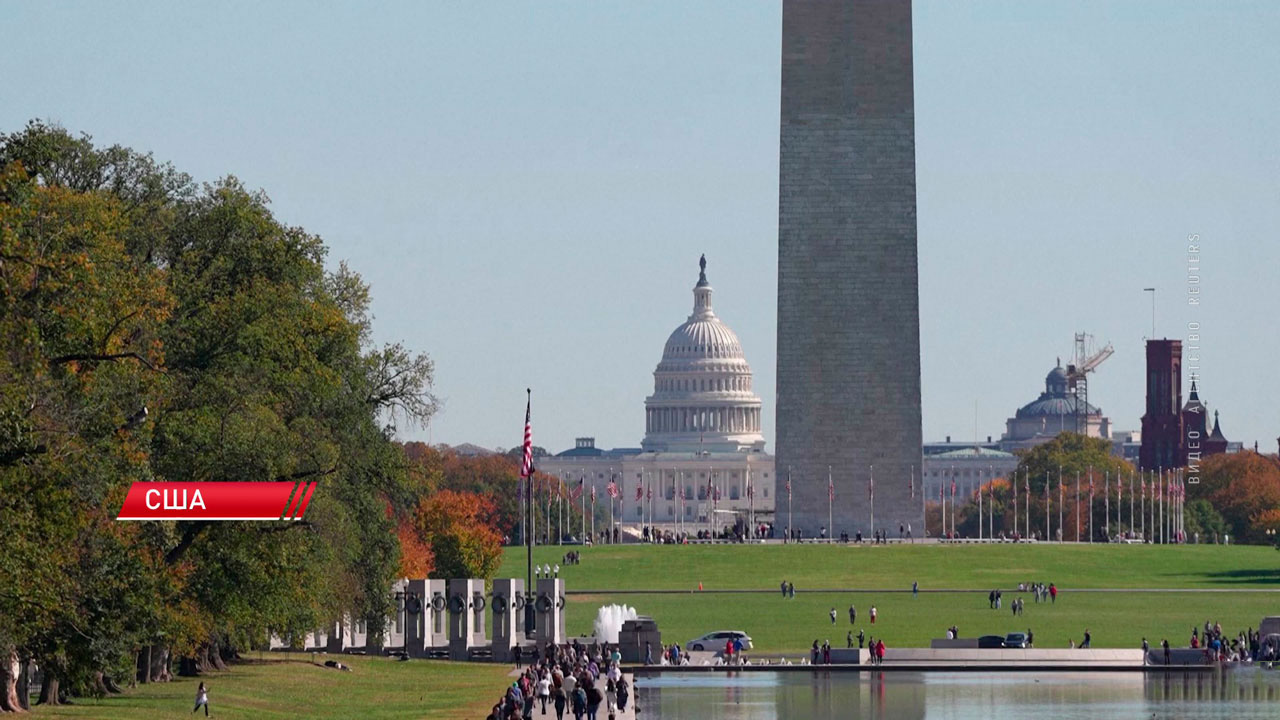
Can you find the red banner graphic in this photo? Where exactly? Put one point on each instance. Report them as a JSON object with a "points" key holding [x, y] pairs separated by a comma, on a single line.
{"points": [[217, 501]]}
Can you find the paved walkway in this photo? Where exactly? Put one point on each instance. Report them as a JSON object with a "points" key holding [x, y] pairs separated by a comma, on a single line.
{"points": [[628, 714]]}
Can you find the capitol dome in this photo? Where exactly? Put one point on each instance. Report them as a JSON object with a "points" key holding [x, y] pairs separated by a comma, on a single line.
{"points": [[702, 397]]}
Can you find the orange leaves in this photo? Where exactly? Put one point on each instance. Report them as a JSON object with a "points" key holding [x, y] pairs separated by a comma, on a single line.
{"points": [[416, 558]]}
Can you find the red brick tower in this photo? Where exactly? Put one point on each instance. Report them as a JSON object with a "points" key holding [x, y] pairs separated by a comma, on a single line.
{"points": [[1162, 424]]}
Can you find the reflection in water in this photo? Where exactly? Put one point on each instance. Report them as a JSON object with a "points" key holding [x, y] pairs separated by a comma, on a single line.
{"points": [[1235, 695]]}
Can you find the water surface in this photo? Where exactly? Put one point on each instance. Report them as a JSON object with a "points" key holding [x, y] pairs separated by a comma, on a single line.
{"points": [[1244, 694]]}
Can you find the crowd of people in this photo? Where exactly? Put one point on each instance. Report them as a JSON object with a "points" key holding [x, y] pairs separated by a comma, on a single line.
{"points": [[1246, 646], [573, 678]]}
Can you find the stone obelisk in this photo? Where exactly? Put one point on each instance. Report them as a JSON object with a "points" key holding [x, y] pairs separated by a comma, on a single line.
{"points": [[848, 298]]}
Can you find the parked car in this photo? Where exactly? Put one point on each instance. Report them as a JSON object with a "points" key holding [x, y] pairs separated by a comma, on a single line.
{"points": [[991, 641], [1015, 640], [716, 640]]}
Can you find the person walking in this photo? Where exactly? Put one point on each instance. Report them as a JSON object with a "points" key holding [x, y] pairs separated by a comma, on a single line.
{"points": [[791, 590], [1087, 639], [784, 589], [853, 615], [624, 693], [873, 614], [1146, 650], [517, 655], [814, 653], [826, 652], [648, 653], [611, 697], [1031, 638], [202, 698], [1167, 655], [915, 589], [880, 651], [833, 616], [861, 638], [558, 702], [544, 691], [1053, 593]]}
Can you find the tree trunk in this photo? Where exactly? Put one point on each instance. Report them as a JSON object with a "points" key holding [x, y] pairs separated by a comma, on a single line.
{"points": [[158, 664], [110, 684], [49, 689], [24, 684], [99, 684], [188, 667], [10, 672]]}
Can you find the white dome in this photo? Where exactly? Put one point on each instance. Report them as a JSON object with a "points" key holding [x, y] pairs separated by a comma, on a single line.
{"points": [[702, 397]]}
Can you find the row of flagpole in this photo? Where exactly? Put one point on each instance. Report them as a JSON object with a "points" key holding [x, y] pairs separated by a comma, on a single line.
{"points": [[1165, 510]]}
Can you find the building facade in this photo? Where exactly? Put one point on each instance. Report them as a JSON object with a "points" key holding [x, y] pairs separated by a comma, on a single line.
{"points": [[701, 464], [848, 393], [1054, 412], [1162, 436]]}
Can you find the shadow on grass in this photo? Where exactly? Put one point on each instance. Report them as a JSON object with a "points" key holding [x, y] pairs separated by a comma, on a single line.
{"points": [[1246, 576]]}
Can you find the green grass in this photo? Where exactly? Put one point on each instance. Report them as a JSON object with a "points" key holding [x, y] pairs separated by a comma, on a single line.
{"points": [[289, 686], [1115, 619]]}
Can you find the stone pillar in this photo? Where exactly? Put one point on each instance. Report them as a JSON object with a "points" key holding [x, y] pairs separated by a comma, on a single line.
{"points": [[393, 635], [417, 609], [549, 611], [437, 605], [461, 616], [507, 606]]}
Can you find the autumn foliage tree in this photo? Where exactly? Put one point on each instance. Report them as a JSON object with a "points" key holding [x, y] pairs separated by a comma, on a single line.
{"points": [[1244, 488], [456, 526]]}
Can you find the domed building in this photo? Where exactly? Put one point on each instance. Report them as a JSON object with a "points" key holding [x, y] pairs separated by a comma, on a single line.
{"points": [[1053, 412], [701, 464], [702, 398]]}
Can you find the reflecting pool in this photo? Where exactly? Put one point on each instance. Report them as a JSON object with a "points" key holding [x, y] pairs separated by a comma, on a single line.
{"points": [[1240, 694]]}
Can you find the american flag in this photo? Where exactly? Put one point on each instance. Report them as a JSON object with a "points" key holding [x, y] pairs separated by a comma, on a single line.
{"points": [[593, 494], [788, 486], [912, 482], [577, 492], [613, 489], [831, 490], [751, 491], [639, 492], [953, 487], [526, 465], [717, 494], [650, 493]]}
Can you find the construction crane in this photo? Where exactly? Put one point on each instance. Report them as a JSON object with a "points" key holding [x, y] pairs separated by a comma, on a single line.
{"points": [[1087, 359]]}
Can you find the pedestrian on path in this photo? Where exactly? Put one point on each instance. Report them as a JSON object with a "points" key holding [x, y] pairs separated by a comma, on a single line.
{"points": [[873, 614], [853, 614], [833, 616]]}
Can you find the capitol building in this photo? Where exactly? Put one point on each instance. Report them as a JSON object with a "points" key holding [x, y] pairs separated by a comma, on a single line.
{"points": [[701, 464]]}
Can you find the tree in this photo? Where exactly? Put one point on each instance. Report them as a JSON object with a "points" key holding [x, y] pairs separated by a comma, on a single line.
{"points": [[1203, 522], [464, 545], [150, 330], [1242, 487]]}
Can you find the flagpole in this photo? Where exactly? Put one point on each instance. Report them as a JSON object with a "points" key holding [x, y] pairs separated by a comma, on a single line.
{"points": [[872, 481], [1077, 508], [830, 498], [1106, 503], [1026, 486], [989, 471], [1091, 504], [790, 528], [1061, 530], [1047, 509], [527, 471], [1014, 486]]}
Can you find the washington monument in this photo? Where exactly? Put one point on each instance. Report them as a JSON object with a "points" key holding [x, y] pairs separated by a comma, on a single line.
{"points": [[848, 296]]}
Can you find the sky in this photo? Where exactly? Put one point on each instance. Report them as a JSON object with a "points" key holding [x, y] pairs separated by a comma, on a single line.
{"points": [[527, 186]]}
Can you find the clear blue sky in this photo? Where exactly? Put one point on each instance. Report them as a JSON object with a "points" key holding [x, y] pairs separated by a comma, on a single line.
{"points": [[528, 185]]}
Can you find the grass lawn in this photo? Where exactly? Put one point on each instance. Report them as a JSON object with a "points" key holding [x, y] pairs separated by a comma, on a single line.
{"points": [[289, 686], [777, 625]]}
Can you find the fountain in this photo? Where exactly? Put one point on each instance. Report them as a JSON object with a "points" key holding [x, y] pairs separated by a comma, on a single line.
{"points": [[609, 621]]}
